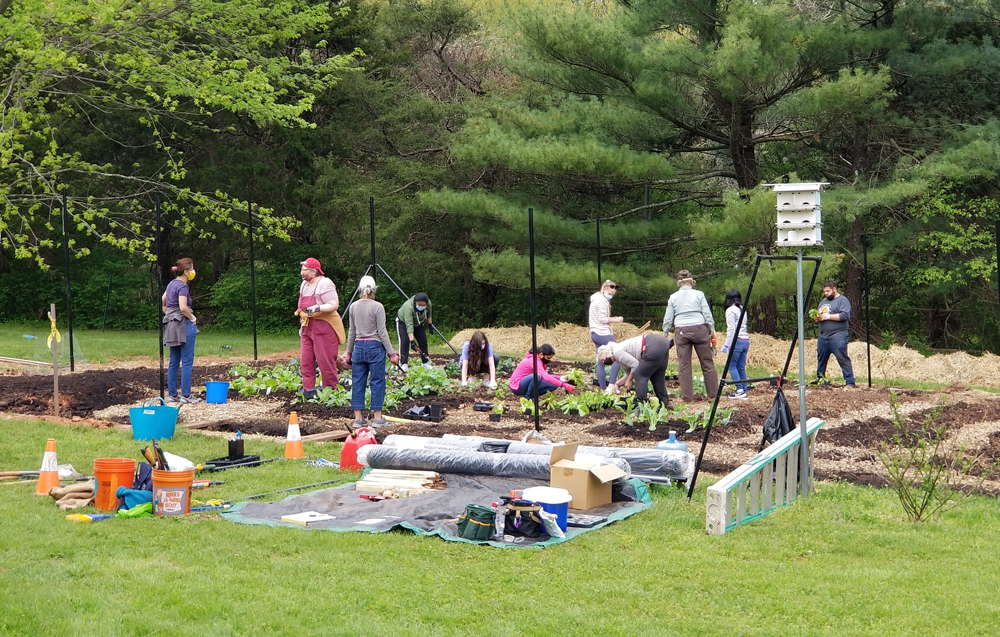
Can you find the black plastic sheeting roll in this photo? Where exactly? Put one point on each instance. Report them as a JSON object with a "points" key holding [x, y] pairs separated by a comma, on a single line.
{"points": [[645, 463], [533, 466]]}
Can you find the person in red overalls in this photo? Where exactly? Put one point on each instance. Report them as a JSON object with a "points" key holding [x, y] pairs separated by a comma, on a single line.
{"points": [[322, 330]]}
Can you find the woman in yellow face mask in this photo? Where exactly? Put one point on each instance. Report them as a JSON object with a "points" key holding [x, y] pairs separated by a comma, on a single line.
{"points": [[179, 331]]}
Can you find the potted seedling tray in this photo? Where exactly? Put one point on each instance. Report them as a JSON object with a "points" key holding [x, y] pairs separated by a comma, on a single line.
{"points": [[430, 413], [226, 461], [479, 406]]}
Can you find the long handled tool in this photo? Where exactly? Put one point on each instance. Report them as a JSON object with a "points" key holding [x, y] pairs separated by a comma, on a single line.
{"points": [[213, 468], [264, 495], [645, 326]]}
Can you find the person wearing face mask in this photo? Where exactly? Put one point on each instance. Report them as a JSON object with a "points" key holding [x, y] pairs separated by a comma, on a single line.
{"points": [[179, 331], [834, 320], [411, 320], [689, 316], [644, 359], [600, 327], [321, 329], [478, 358], [522, 381], [740, 343]]}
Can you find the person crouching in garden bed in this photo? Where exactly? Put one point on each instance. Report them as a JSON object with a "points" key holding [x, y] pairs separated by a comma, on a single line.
{"points": [[478, 358], [522, 381], [643, 359]]}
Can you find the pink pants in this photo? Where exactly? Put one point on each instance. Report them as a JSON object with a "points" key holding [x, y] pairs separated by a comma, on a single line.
{"points": [[319, 345]]}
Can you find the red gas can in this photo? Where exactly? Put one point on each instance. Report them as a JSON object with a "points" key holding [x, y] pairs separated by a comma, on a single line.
{"points": [[349, 452]]}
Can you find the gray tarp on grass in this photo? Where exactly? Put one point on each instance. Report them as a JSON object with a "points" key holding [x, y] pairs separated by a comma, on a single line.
{"points": [[425, 514]]}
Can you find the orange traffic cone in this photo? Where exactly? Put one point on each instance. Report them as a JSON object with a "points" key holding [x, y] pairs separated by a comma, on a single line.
{"points": [[48, 475], [293, 443]]}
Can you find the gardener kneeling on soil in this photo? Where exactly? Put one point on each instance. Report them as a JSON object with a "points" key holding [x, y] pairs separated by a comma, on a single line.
{"points": [[643, 358], [522, 381]]}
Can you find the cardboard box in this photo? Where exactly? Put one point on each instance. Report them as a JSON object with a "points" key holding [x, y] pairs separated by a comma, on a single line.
{"points": [[590, 486]]}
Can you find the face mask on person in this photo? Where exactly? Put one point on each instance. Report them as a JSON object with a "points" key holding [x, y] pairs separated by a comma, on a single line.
{"points": [[831, 296], [546, 361], [190, 274], [609, 296], [609, 361], [421, 308]]}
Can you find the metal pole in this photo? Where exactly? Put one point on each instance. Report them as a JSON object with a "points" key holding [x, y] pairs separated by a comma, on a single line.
{"points": [[69, 289], [868, 324], [159, 288], [371, 212], [600, 279], [107, 301], [534, 322], [253, 280], [804, 436], [55, 363]]}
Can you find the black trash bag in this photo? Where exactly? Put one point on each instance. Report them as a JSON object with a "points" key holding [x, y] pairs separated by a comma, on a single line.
{"points": [[779, 421]]}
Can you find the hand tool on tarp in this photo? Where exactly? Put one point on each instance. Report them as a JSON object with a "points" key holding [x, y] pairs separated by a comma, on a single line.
{"points": [[253, 463]]}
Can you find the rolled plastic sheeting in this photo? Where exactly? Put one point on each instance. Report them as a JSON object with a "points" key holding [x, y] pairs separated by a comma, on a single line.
{"points": [[659, 463], [400, 441], [647, 463], [534, 466]]}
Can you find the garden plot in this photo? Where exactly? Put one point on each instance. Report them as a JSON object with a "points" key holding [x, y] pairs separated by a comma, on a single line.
{"points": [[856, 420]]}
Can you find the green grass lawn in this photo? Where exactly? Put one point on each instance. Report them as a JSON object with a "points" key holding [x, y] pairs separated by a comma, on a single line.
{"points": [[102, 347], [840, 563]]}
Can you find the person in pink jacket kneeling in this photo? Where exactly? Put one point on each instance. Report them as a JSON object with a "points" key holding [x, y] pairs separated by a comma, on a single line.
{"points": [[522, 381]]}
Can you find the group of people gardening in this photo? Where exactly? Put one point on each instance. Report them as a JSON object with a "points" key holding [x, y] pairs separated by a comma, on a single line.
{"points": [[688, 325]]}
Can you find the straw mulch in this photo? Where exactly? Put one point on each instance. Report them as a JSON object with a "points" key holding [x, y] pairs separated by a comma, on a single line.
{"points": [[573, 342]]}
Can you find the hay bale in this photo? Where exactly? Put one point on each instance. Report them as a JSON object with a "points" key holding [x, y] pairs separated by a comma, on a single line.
{"points": [[570, 341]]}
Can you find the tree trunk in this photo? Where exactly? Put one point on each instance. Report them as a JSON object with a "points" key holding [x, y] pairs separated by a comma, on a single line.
{"points": [[765, 316], [741, 146]]}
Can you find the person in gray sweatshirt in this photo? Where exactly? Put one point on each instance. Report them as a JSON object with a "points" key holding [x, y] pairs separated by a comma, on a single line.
{"points": [[834, 320], [690, 318]]}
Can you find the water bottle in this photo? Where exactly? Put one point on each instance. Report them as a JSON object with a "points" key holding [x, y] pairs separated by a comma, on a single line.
{"points": [[672, 443]]}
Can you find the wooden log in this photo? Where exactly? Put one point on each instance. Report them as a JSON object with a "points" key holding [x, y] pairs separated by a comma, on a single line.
{"points": [[325, 436]]}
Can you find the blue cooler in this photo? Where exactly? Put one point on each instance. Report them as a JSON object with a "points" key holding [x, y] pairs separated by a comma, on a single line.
{"points": [[553, 500]]}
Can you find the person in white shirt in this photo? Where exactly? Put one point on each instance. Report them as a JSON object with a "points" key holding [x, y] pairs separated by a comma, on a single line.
{"points": [[600, 327], [644, 359], [690, 318], [740, 342]]}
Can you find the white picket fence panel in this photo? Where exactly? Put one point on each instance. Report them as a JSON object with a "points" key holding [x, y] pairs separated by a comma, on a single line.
{"points": [[760, 485]]}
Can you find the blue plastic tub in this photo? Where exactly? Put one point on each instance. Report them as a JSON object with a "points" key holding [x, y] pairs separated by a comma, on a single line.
{"points": [[216, 391], [153, 421]]}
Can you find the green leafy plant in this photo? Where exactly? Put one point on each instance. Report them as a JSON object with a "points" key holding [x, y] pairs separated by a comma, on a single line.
{"points": [[549, 401], [724, 415], [576, 377], [929, 476], [453, 369], [693, 419], [698, 383], [420, 381], [528, 406], [506, 366]]}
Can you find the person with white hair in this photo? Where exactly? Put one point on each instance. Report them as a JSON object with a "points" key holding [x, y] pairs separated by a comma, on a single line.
{"points": [[690, 319], [600, 319], [367, 345], [643, 359]]}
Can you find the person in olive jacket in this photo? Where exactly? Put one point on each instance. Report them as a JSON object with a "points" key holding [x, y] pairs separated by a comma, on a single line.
{"points": [[411, 322]]}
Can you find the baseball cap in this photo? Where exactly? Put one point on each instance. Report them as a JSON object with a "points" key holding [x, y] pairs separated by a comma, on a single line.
{"points": [[313, 264]]}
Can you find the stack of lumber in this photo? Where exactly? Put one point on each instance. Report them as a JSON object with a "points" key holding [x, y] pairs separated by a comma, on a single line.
{"points": [[394, 483]]}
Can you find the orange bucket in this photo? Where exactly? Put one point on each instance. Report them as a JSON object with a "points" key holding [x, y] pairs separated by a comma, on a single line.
{"points": [[172, 492], [109, 474]]}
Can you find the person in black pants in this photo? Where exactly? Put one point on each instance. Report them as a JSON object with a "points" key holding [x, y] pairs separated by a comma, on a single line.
{"points": [[644, 359], [410, 322]]}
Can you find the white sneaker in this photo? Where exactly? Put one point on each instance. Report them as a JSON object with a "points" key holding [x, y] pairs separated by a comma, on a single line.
{"points": [[404, 367], [427, 365], [739, 395]]}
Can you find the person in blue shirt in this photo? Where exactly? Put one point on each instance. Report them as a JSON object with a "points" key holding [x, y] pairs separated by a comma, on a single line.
{"points": [[834, 320], [478, 358]]}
